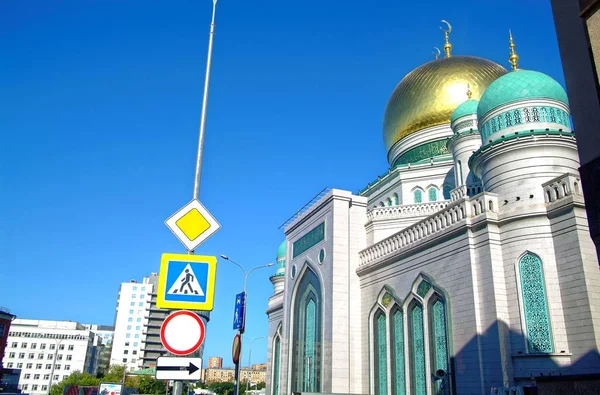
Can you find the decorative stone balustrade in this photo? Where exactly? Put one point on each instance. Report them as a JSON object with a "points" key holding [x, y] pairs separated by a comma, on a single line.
{"points": [[405, 211], [560, 187], [458, 193], [449, 215]]}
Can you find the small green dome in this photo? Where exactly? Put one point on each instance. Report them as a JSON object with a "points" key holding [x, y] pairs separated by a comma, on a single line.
{"points": [[281, 251], [467, 108], [517, 86]]}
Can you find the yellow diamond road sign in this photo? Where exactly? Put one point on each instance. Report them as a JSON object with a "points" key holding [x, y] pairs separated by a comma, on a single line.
{"points": [[192, 224]]}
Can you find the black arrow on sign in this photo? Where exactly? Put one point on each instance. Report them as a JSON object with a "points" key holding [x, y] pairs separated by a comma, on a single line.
{"points": [[191, 368]]}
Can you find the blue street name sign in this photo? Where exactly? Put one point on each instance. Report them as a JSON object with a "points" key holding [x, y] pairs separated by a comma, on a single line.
{"points": [[238, 312]]}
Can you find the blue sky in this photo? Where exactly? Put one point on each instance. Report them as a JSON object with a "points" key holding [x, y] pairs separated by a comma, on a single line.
{"points": [[100, 111]]}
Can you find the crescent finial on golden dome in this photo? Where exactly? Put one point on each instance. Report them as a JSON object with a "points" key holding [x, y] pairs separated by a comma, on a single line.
{"points": [[513, 58], [437, 52], [447, 45]]}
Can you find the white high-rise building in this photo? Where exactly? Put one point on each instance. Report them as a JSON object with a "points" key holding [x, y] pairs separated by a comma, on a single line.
{"points": [[130, 321], [48, 351]]}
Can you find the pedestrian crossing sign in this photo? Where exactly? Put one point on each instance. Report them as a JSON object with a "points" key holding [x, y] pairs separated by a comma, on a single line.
{"points": [[186, 282]]}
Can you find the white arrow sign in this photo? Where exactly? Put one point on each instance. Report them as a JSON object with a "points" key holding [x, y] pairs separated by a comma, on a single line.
{"points": [[178, 368]]}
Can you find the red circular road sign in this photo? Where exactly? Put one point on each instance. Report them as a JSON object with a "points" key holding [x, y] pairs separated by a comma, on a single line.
{"points": [[236, 348], [182, 332]]}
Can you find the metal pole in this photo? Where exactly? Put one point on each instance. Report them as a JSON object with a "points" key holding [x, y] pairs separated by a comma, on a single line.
{"points": [[204, 104], [53, 365]]}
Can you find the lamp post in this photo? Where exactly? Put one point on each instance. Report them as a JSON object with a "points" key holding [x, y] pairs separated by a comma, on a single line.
{"points": [[250, 358], [53, 364], [236, 387]]}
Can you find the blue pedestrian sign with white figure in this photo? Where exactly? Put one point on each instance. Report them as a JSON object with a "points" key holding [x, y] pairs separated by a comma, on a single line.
{"points": [[186, 282], [238, 313]]}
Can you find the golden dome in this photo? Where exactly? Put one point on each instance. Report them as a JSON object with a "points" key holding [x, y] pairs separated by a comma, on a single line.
{"points": [[427, 95]]}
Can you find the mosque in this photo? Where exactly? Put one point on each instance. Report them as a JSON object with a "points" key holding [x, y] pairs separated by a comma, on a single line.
{"points": [[467, 268]]}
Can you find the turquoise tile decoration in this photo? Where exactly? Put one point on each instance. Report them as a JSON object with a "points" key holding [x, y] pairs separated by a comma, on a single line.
{"points": [[467, 108], [418, 351], [535, 305], [381, 356], [399, 353], [520, 85]]}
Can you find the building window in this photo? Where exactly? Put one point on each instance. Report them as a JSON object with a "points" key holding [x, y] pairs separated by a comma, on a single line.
{"points": [[306, 364], [418, 351], [440, 344], [50, 356], [139, 319], [52, 346], [126, 352], [38, 366], [535, 305], [140, 304], [61, 347], [9, 365], [125, 360], [48, 366], [433, 194], [67, 367], [135, 344], [27, 376], [126, 344], [34, 387], [132, 304], [33, 345], [130, 311], [55, 377], [25, 386], [36, 376], [396, 199], [46, 377], [142, 296], [57, 367], [143, 288], [137, 336], [31, 355], [14, 345], [11, 355], [418, 196], [69, 357], [29, 366], [59, 357], [43, 346], [44, 388], [134, 352], [128, 327], [41, 355], [130, 319], [133, 296], [21, 355], [398, 343], [65, 376], [381, 354], [135, 287], [128, 335], [137, 328], [71, 347], [19, 366], [23, 345]]}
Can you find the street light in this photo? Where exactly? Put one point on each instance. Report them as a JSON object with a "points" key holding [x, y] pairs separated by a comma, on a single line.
{"points": [[250, 358], [236, 389], [54, 364]]}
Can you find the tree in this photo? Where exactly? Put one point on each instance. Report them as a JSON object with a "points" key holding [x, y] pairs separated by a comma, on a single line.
{"points": [[150, 385], [221, 388], [75, 378]]}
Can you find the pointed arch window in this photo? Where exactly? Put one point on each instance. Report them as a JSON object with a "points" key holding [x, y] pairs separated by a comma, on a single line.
{"points": [[381, 353], [306, 363], [440, 343], [276, 363], [418, 196], [396, 199], [418, 351], [398, 341], [535, 304], [433, 194]]}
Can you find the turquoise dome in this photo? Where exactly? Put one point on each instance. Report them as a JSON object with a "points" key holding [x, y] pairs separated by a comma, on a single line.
{"points": [[517, 86], [467, 108], [281, 251]]}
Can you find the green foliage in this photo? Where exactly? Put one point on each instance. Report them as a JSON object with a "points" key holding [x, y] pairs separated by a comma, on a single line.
{"points": [[221, 388], [75, 378], [144, 384]]}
